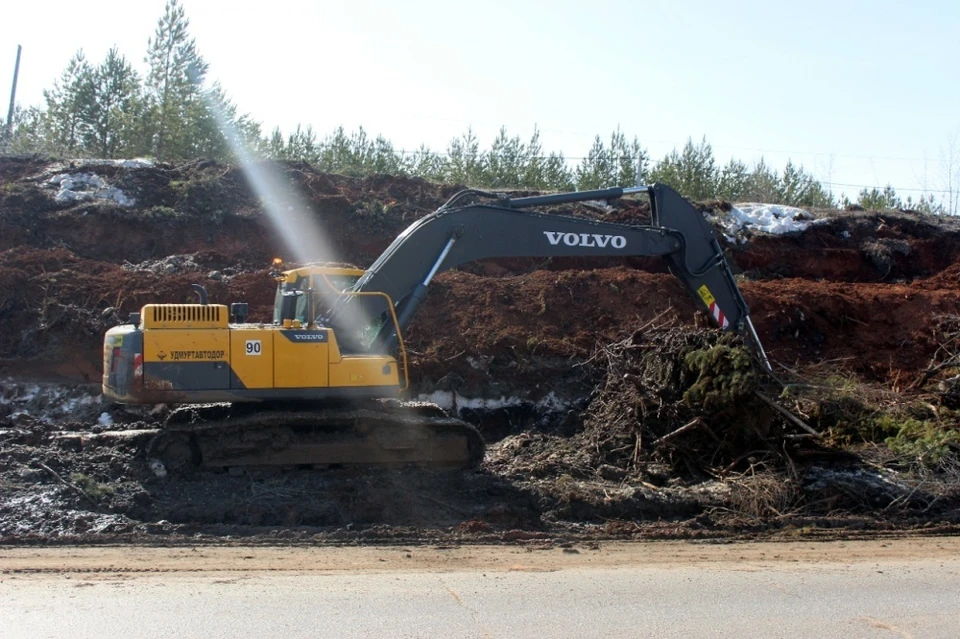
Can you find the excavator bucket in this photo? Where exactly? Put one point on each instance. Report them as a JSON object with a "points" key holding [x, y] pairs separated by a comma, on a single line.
{"points": [[700, 264]]}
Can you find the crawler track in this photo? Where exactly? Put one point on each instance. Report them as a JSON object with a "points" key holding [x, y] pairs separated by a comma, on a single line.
{"points": [[381, 433]]}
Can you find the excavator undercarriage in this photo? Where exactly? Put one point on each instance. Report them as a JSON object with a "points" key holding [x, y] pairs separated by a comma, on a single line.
{"points": [[381, 433], [320, 385]]}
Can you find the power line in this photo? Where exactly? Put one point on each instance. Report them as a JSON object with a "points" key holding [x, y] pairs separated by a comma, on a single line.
{"points": [[880, 188]]}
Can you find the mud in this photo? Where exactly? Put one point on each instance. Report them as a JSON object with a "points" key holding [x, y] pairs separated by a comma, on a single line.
{"points": [[580, 374]]}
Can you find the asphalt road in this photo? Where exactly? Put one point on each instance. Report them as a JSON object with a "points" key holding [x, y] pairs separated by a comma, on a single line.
{"points": [[888, 589]]}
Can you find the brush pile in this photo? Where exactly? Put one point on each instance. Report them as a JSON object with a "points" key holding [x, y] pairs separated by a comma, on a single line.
{"points": [[675, 401]]}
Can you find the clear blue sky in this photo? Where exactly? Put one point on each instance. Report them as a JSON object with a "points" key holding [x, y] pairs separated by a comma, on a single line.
{"points": [[858, 92]]}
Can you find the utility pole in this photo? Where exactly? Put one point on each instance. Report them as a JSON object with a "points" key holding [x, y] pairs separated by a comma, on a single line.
{"points": [[13, 95]]}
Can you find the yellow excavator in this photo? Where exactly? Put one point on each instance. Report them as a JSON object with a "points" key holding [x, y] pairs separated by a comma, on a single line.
{"points": [[320, 384]]}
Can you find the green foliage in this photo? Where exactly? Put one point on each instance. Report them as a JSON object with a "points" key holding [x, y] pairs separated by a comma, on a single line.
{"points": [[116, 108], [353, 154], [374, 211], [877, 200], [29, 132], [162, 214], [801, 189], [68, 103], [203, 196], [725, 376], [621, 163], [733, 182], [692, 172], [925, 204], [174, 84], [853, 414], [464, 163], [93, 489], [928, 442]]}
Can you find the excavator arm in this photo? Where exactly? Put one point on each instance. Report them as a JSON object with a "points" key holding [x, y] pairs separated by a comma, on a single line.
{"points": [[475, 225]]}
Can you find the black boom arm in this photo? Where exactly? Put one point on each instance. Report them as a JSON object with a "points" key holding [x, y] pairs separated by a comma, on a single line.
{"points": [[463, 230]]}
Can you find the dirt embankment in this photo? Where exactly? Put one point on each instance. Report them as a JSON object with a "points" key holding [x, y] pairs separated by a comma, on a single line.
{"points": [[593, 449], [861, 289]]}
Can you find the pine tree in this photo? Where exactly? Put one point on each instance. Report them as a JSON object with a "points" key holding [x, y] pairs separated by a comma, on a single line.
{"points": [[114, 110], [174, 84], [506, 162], [384, 158], [464, 160], [631, 163], [692, 172], [764, 184], [799, 188], [424, 163], [557, 176], [29, 132], [733, 181], [302, 146], [335, 154], [68, 103], [924, 204], [217, 132], [877, 200], [595, 170], [275, 147]]}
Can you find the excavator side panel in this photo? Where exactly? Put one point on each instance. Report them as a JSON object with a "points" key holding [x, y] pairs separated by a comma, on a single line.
{"points": [[252, 357], [364, 370], [301, 358], [186, 359]]}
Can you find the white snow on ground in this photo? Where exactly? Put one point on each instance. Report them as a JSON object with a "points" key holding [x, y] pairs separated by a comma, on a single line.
{"points": [[451, 400], [775, 219], [105, 419], [82, 187], [135, 163]]}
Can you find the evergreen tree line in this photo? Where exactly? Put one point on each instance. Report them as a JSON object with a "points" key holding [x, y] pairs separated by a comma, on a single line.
{"points": [[108, 110]]}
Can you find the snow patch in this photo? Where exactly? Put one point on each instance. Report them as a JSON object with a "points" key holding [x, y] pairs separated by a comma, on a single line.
{"points": [[135, 163], [105, 419], [775, 219], [83, 187], [157, 468], [29, 394], [453, 401]]}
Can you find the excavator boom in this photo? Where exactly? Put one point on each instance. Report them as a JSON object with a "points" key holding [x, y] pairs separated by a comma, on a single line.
{"points": [[475, 225]]}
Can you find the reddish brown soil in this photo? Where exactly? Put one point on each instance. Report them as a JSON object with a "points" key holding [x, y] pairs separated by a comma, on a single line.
{"points": [[826, 294]]}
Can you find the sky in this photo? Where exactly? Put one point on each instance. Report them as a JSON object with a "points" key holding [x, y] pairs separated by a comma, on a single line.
{"points": [[860, 93]]}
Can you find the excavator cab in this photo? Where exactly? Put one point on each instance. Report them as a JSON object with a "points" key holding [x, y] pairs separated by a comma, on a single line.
{"points": [[310, 294], [326, 282]]}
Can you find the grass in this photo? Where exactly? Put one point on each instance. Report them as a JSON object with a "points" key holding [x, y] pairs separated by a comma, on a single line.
{"points": [[913, 427], [94, 489]]}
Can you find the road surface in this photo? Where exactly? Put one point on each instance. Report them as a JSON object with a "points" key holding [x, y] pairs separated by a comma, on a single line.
{"points": [[893, 588]]}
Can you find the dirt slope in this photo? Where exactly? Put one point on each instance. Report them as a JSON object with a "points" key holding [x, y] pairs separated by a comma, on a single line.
{"points": [[863, 284]]}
